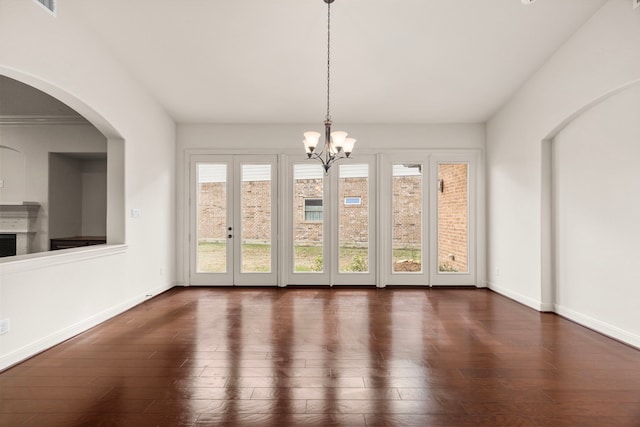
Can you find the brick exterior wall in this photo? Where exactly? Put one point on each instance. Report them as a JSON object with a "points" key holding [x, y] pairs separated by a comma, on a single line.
{"points": [[354, 220], [407, 221], [256, 212], [212, 212], [452, 218]]}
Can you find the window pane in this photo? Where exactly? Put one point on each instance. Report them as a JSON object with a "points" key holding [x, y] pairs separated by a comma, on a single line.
{"points": [[407, 218], [452, 218], [212, 218], [353, 218], [313, 210], [308, 185], [256, 218]]}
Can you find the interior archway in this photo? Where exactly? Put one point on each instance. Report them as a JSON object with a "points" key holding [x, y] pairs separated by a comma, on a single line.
{"points": [[62, 114], [549, 209]]}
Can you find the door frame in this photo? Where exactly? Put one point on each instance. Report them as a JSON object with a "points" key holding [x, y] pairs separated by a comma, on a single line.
{"points": [[233, 276], [330, 276], [385, 205], [353, 278], [468, 278], [477, 202]]}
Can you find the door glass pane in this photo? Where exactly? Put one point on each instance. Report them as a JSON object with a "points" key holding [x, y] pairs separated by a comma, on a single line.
{"points": [[212, 218], [353, 218], [256, 218], [407, 218], [308, 185], [453, 224]]}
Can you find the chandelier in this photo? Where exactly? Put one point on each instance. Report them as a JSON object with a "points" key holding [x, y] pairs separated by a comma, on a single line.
{"points": [[336, 144]]}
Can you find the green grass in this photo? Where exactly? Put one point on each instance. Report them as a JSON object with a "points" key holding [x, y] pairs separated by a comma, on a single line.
{"points": [[212, 257], [256, 257]]}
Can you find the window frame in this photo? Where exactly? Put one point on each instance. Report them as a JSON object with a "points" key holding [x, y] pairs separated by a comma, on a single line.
{"points": [[307, 211]]}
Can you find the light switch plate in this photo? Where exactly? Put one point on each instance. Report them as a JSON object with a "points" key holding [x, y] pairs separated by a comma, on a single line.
{"points": [[4, 326]]}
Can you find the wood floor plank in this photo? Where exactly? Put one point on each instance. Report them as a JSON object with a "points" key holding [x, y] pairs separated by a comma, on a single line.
{"points": [[328, 357]]}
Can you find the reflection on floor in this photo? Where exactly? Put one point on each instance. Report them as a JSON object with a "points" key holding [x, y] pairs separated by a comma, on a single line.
{"points": [[328, 357]]}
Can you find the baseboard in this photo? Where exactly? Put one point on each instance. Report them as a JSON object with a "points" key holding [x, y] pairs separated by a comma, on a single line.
{"points": [[547, 307], [518, 297], [64, 334], [599, 326], [596, 325]]}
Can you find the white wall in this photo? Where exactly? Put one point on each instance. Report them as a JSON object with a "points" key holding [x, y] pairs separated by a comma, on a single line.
{"points": [[287, 139], [51, 297], [596, 210], [598, 60], [370, 137], [77, 196], [31, 182], [94, 198], [12, 173], [65, 196]]}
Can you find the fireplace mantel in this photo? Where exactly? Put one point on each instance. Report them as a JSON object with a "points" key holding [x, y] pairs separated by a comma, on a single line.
{"points": [[19, 219]]}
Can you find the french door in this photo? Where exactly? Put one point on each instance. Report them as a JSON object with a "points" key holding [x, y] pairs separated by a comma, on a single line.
{"points": [[453, 225], [233, 220], [427, 218], [330, 223], [406, 218]]}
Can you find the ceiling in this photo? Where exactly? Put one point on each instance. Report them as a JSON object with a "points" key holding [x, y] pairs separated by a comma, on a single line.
{"points": [[264, 61]]}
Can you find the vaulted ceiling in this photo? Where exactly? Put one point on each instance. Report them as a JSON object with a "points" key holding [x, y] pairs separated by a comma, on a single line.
{"points": [[264, 61]]}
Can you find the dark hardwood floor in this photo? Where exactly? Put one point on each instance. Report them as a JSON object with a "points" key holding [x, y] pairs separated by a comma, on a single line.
{"points": [[328, 357]]}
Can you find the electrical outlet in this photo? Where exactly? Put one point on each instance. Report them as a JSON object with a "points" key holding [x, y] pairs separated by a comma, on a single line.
{"points": [[4, 326]]}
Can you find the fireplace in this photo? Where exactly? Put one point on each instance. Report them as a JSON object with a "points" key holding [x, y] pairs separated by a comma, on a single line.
{"points": [[17, 227], [7, 245]]}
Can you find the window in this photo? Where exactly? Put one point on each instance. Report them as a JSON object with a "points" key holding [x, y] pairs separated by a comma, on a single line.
{"points": [[352, 201], [313, 209]]}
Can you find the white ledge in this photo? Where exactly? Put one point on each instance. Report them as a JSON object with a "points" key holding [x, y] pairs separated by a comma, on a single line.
{"points": [[36, 261]]}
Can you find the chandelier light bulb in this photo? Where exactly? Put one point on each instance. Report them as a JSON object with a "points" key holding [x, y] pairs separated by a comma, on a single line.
{"points": [[310, 142], [349, 143], [312, 137], [338, 138]]}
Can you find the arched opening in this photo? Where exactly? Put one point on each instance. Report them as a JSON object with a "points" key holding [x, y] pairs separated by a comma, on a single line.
{"points": [[588, 213], [61, 170]]}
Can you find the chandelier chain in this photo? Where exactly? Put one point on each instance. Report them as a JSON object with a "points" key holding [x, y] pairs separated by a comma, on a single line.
{"points": [[336, 144], [328, 58]]}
